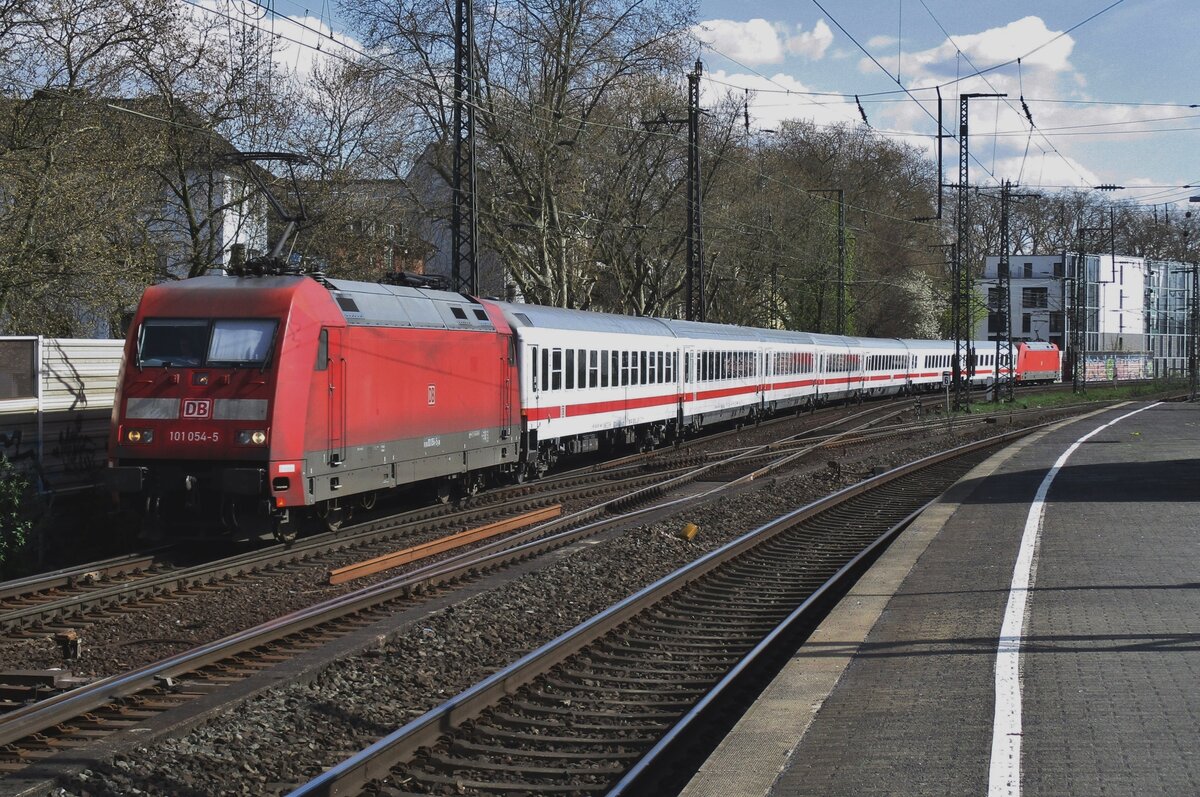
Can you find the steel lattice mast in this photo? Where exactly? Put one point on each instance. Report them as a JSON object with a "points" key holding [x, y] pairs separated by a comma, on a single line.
{"points": [[464, 270]]}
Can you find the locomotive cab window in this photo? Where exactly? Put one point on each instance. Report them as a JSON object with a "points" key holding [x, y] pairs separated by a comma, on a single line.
{"points": [[241, 342], [172, 342], [197, 342]]}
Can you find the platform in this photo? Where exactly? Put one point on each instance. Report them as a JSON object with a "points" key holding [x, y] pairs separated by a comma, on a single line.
{"points": [[897, 692]]}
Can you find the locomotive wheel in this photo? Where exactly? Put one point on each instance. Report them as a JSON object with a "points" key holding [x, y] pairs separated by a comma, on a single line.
{"points": [[334, 517], [284, 532]]}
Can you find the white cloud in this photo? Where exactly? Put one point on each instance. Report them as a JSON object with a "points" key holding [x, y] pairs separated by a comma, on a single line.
{"points": [[299, 42], [811, 44], [304, 41], [773, 104], [1040, 167], [752, 42], [965, 53], [880, 42]]}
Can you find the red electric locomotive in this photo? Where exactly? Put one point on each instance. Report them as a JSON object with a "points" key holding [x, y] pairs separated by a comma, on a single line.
{"points": [[1038, 362], [255, 401]]}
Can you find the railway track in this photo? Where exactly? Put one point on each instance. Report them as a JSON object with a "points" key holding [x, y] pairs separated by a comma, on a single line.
{"points": [[607, 707], [64, 600], [77, 718]]}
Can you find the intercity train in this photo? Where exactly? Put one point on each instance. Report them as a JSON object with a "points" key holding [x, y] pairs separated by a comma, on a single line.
{"points": [[259, 404]]}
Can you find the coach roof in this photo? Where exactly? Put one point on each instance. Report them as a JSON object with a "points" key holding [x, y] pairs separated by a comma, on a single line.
{"points": [[550, 318], [536, 316]]}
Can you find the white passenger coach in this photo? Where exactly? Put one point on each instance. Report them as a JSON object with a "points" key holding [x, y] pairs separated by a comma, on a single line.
{"points": [[594, 379]]}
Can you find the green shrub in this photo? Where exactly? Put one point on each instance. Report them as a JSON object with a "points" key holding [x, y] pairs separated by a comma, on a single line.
{"points": [[15, 523]]}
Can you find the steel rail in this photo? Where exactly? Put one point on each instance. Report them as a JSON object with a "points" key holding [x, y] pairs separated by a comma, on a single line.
{"points": [[377, 760], [70, 577], [60, 709]]}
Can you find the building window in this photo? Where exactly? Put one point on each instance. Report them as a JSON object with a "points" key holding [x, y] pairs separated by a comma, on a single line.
{"points": [[1033, 297], [1026, 325], [1056, 323], [1002, 269], [1028, 272], [1058, 269]]}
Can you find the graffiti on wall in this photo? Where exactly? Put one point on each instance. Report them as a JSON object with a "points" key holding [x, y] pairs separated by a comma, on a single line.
{"points": [[1117, 367], [73, 454]]}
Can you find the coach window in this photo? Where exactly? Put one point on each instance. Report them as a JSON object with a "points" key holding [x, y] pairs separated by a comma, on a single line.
{"points": [[642, 368], [533, 368], [545, 369], [323, 351], [556, 368], [604, 369], [570, 369], [593, 369]]}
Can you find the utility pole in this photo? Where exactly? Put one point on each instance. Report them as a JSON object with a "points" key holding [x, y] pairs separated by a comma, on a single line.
{"points": [[964, 354], [1079, 314], [841, 270], [1194, 323], [840, 319], [1004, 293], [694, 279], [1078, 319], [464, 268]]}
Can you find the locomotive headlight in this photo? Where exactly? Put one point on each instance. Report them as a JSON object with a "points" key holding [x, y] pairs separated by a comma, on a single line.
{"points": [[251, 437], [140, 436]]}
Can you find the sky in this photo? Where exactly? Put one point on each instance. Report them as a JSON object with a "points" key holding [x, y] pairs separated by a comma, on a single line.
{"points": [[1108, 96], [1107, 84]]}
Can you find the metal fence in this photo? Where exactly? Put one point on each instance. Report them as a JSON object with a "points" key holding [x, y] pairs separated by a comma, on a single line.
{"points": [[56, 398]]}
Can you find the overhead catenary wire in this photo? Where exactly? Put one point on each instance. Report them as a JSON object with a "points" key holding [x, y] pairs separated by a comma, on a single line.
{"points": [[371, 57]]}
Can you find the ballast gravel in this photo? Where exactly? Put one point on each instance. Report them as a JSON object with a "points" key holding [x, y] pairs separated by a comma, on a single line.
{"points": [[286, 736]]}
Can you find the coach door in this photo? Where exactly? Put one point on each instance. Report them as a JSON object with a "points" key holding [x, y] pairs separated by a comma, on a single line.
{"points": [[335, 373]]}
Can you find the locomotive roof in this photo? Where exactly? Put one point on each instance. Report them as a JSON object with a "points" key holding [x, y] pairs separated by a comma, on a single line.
{"points": [[363, 303], [377, 304]]}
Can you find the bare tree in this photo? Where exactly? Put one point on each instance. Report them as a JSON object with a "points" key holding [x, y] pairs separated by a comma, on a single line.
{"points": [[212, 87], [69, 187], [359, 133], [544, 72]]}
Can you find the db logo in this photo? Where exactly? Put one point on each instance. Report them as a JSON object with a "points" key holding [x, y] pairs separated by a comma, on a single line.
{"points": [[197, 408]]}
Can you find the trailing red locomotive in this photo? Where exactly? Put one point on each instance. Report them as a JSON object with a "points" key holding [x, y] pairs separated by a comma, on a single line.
{"points": [[257, 403]]}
